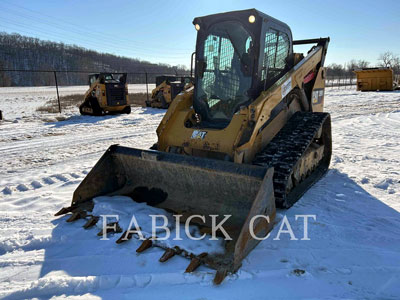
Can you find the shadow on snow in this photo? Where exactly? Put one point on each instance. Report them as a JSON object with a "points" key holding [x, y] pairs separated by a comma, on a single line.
{"points": [[349, 221]]}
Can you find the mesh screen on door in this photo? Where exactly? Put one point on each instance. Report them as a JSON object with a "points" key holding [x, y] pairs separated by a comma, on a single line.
{"points": [[219, 56], [275, 52]]}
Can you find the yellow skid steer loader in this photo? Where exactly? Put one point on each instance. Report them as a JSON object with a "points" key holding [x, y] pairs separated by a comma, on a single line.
{"points": [[167, 88], [250, 136], [107, 94]]}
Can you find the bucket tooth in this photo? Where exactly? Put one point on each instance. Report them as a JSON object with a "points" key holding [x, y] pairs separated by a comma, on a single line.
{"points": [[91, 222], [195, 262], [117, 229], [76, 216], [220, 276], [167, 255], [125, 237], [144, 246], [64, 211]]}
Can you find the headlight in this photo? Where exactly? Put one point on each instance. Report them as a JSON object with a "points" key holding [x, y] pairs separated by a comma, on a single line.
{"points": [[252, 19], [197, 26]]}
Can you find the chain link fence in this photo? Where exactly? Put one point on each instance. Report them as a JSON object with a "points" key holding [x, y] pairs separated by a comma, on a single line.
{"points": [[143, 82], [345, 82]]}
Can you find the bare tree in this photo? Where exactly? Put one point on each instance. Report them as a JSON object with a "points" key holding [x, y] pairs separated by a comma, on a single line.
{"points": [[363, 63], [390, 60], [335, 70], [356, 64]]}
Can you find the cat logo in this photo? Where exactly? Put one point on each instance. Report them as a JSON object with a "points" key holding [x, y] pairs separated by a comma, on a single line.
{"points": [[197, 134]]}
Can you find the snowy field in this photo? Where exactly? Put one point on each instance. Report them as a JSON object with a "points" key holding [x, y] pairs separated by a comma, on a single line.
{"points": [[22, 102], [354, 251]]}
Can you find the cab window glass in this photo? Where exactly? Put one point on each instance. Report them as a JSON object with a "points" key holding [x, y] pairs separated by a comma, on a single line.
{"points": [[276, 50]]}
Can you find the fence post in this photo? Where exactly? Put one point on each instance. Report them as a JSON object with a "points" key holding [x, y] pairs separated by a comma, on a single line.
{"points": [[58, 96], [147, 87]]}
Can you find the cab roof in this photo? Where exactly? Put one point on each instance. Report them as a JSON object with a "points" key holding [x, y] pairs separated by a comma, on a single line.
{"points": [[239, 14]]}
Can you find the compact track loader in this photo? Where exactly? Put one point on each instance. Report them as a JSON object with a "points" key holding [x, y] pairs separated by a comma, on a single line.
{"points": [[167, 88], [107, 94], [250, 136]]}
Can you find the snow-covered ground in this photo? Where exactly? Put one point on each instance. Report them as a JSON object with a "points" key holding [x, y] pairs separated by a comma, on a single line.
{"points": [[21, 102], [354, 251]]}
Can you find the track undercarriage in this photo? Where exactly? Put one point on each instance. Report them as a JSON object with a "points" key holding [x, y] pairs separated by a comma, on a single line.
{"points": [[300, 154]]}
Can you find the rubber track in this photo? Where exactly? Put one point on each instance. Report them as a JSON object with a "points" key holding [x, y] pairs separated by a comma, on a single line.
{"points": [[285, 150]]}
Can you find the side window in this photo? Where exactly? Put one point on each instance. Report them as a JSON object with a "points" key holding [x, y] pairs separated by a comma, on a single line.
{"points": [[275, 52], [92, 80], [282, 51]]}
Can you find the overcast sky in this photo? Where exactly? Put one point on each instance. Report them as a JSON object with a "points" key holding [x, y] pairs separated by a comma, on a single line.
{"points": [[162, 31]]}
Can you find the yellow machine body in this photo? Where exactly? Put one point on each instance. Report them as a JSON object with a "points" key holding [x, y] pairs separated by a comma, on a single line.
{"points": [[227, 143], [107, 94], [167, 88], [248, 136]]}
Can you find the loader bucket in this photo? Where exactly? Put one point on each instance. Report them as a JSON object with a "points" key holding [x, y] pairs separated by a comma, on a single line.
{"points": [[189, 185]]}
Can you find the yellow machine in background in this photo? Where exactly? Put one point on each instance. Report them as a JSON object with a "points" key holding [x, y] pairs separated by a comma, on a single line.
{"points": [[375, 79], [249, 137], [167, 88], [107, 94]]}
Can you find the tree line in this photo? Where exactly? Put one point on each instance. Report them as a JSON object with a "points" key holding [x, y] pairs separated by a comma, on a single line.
{"points": [[27, 53], [387, 59]]}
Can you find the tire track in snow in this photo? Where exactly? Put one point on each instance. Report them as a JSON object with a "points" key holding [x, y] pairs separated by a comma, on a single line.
{"points": [[74, 137], [45, 181]]}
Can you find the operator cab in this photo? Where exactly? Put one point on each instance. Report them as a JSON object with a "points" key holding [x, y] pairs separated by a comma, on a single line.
{"points": [[238, 55], [118, 78]]}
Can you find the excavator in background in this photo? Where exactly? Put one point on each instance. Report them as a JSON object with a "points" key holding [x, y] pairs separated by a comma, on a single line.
{"points": [[167, 88], [249, 137], [107, 94]]}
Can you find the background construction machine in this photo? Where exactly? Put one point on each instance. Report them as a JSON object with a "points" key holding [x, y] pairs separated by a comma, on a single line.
{"points": [[107, 93], [167, 88], [250, 136]]}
